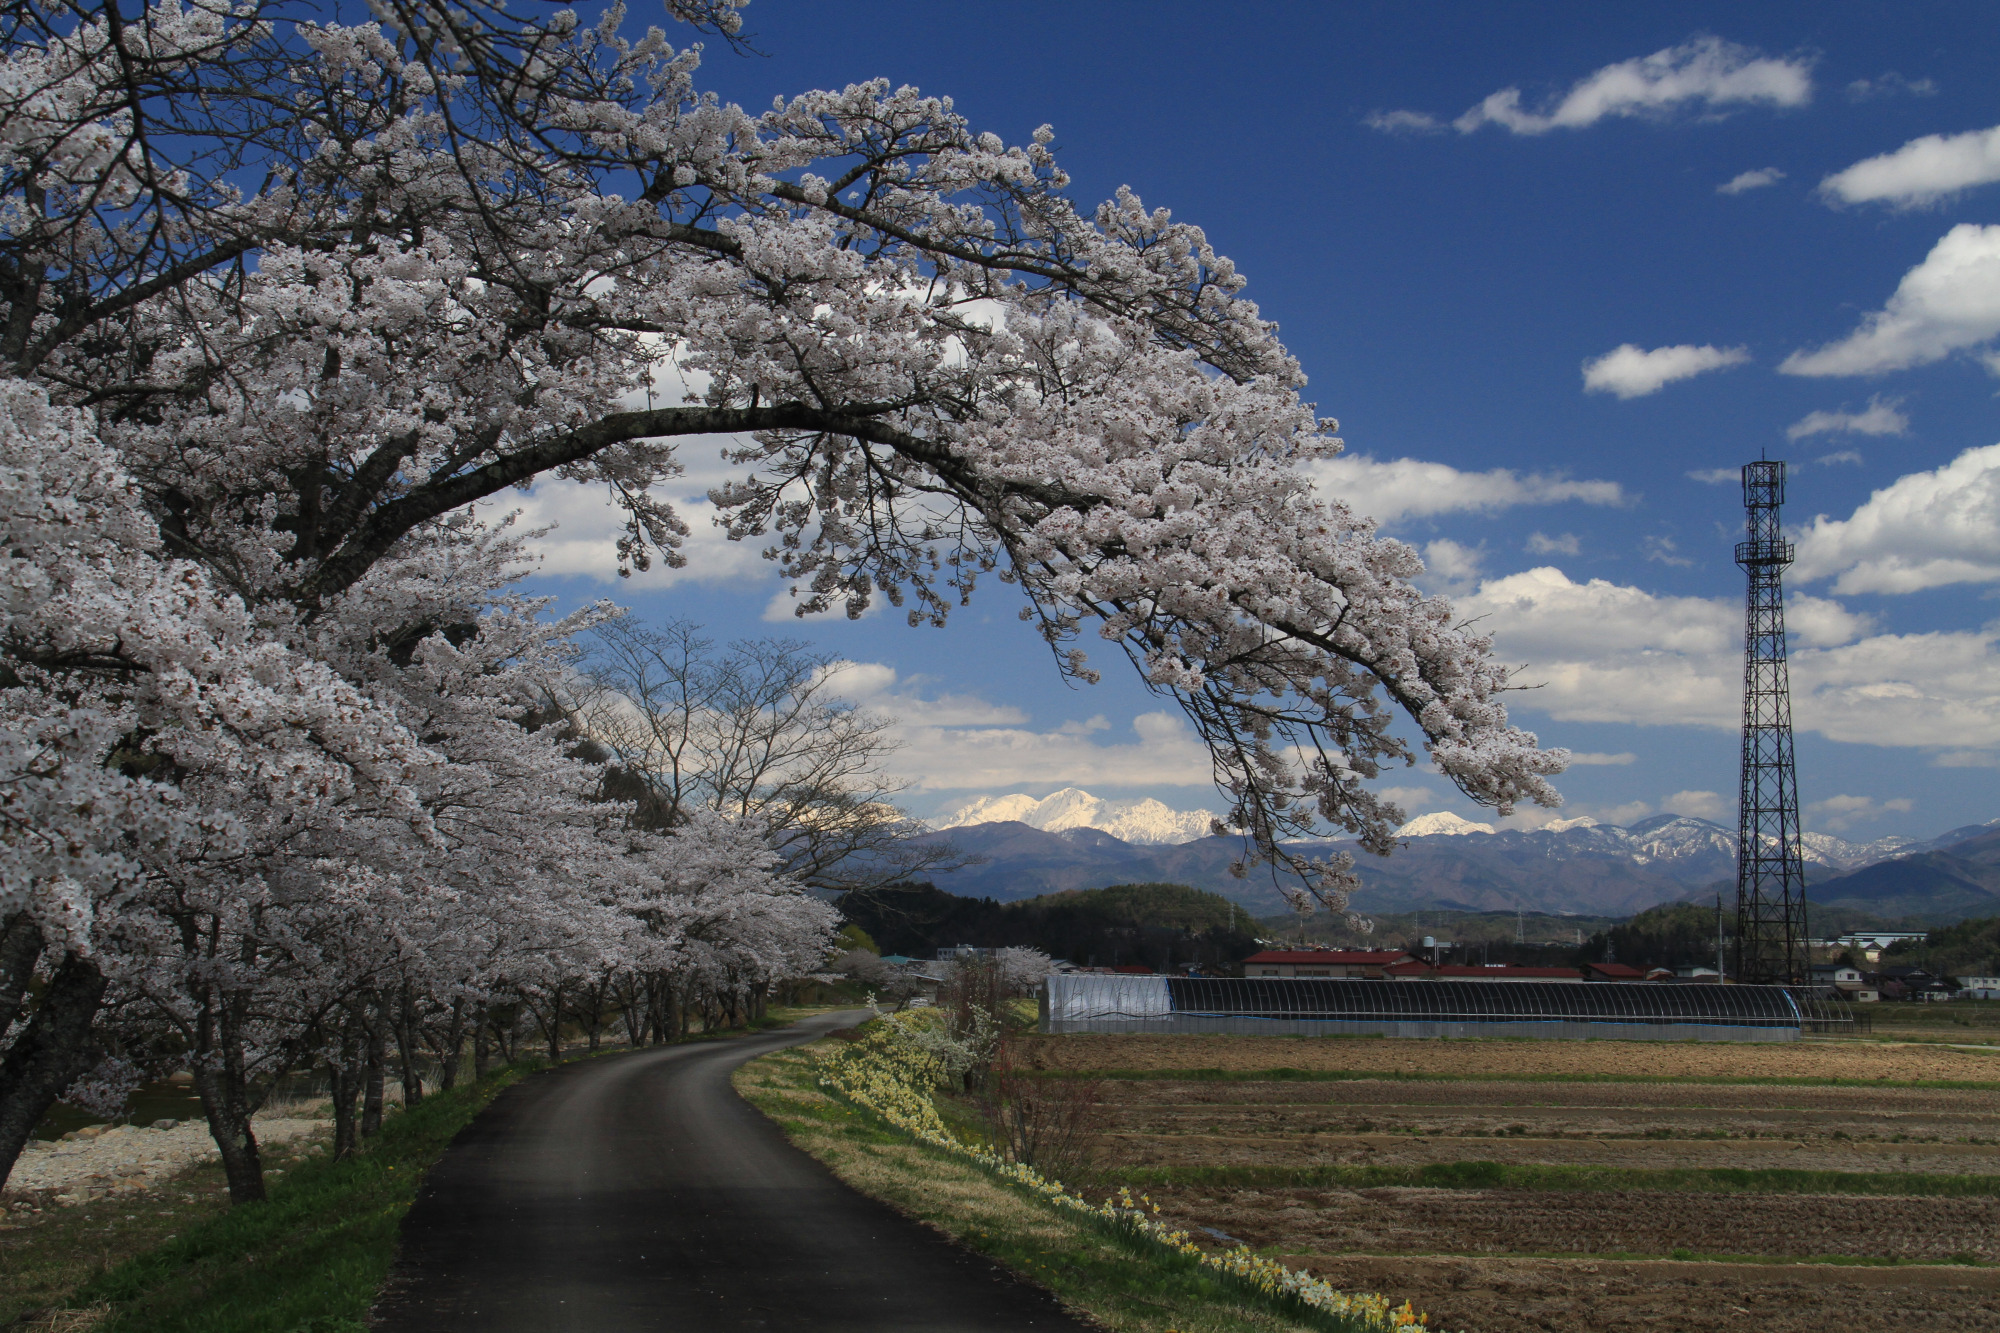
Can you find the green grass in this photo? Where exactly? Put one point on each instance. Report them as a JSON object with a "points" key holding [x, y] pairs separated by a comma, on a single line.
{"points": [[1122, 1285], [1530, 1176], [1284, 1074], [311, 1257]]}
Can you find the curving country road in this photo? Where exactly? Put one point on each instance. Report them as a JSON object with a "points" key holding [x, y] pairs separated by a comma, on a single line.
{"points": [[639, 1194]]}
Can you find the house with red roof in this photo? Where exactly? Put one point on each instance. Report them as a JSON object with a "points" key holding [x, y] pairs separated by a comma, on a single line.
{"points": [[1322, 962], [1417, 970], [1612, 972]]}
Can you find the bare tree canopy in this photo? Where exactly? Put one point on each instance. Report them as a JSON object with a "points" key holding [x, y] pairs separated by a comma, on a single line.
{"points": [[756, 730]]}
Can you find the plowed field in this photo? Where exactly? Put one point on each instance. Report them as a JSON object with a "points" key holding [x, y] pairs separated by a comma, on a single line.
{"points": [[1502, 1059], [1917, 1251]]}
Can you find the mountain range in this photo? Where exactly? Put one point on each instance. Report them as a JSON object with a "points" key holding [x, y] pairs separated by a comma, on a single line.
{"points": [[1146, 822], [1444, 862]]}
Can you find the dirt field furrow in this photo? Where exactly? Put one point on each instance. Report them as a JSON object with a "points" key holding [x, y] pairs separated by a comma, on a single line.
{"points": [[1477, 1059], [1494, 1295], [1641, 1222], [1140, 1149], [1491, 1260]]}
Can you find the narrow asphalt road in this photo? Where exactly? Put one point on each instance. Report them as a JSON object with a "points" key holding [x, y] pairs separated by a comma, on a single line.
{"points": [[639, 1194]]}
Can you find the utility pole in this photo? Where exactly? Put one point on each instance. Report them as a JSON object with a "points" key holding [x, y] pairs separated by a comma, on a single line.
{"points": [[1770, 864]]}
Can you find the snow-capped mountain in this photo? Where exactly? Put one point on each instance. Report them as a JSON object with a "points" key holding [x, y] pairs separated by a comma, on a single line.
{"points": [[1146, 822], [1072, 840], [1442, 824]]}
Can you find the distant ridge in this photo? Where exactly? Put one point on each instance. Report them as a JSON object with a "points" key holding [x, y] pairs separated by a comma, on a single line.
{"points": [[1447, 862]]}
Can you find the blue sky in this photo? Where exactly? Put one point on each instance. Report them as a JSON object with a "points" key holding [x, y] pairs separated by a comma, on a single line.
{"points": [[1445, 275]]}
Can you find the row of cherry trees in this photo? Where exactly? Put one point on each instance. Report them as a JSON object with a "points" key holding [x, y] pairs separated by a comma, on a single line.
{"points": [[286, 762]]}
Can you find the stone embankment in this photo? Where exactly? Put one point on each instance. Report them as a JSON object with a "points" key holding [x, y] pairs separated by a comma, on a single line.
{"points": [[98, 1162]]}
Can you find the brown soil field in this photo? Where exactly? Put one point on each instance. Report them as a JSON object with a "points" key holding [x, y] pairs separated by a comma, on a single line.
{"points": [[1496, 1295], [1607, 1123], [1141, 1151], [1639, 1222], [1844, 1101], [1491, 1260], [1475, 1059]]}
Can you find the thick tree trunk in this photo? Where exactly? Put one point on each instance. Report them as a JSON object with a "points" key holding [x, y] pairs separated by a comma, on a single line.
{"points": [[225, 1102], [406, 1049], [52, 1052], [373, 1075], [20, 946], [344, 1079], [453, 1049], [480, 1057]]}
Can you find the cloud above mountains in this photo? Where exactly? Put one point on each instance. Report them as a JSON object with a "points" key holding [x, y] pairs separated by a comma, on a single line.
{"points": [[1598, 651], [1925, 530]]}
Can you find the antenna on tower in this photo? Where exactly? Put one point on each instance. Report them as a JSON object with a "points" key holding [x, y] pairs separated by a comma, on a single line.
{"points": [[1770, 864]]}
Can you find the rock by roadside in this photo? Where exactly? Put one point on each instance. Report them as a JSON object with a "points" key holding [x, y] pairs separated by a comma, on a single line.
{"points": [[84, 1165]]}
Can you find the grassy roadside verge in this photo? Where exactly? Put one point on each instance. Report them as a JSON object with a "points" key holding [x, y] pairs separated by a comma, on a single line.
{"points": [[309, 1259], [1533, 1176], [1119, 1287]]}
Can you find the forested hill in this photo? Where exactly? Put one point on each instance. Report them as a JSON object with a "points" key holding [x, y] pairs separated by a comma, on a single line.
{"points": [[1157, 925]]}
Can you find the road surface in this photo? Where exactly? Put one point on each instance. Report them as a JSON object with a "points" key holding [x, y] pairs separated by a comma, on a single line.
{"points": [[639, 1194]]}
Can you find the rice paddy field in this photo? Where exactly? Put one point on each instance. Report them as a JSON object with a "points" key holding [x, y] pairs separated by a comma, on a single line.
{"points": [[1520, 1185]]}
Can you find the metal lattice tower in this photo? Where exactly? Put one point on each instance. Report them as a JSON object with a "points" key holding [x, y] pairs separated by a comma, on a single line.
{"points": [[1770, 867]]}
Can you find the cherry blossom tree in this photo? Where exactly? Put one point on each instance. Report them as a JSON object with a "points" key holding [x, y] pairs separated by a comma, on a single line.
{"points": [[282, 300]]}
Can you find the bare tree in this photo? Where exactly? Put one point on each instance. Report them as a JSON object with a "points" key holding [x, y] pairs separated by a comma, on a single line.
{"points": [[756, 730]]}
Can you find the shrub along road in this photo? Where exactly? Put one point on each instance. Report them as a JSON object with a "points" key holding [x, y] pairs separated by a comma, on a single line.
{"points": [[640, 1193]]}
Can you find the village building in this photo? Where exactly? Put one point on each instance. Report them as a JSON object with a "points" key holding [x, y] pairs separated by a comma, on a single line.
{"points": [[1322, 962]]}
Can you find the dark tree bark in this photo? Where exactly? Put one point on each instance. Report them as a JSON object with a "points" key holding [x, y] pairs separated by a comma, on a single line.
{"points": [[20, 946], [224, 1088], [406, 1048], [481, 1059], [452, 1049], [52, 1052], [373, 1075]]}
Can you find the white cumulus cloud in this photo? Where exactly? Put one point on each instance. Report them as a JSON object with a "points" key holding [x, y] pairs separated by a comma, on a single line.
{"points": [[1922, 171], [1706, 73], [1924, 530], [1879, 418], [1947, 303], [1839, 812], [1540, 543], [1409, 488], [1698, 804], [1605, 652], [1630, 371], [963, 743], [1750, 180], [585, 525]]}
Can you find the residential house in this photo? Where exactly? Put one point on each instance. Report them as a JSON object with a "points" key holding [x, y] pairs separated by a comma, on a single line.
{"points": [[1613, 972], [1322, 962], [1416, 970]]}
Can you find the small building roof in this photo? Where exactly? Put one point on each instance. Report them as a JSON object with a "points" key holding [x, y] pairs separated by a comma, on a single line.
{"points": [[1491, 972], [1615, 971], [1323, 957]]}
